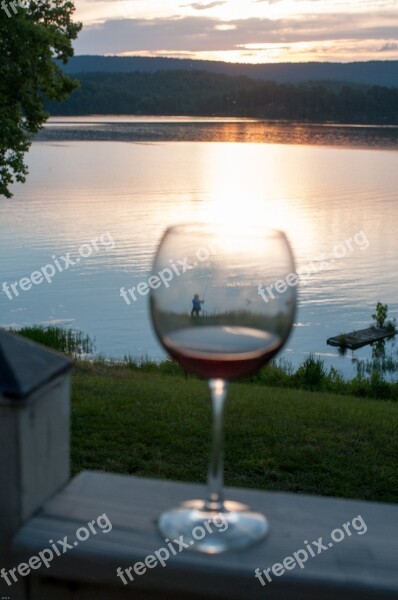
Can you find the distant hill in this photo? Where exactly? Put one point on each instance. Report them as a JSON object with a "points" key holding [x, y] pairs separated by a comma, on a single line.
{"points": [[384, 73], [200, 93]]}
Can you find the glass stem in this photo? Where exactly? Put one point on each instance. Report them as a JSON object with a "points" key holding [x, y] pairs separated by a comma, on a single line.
{"points": [[215, 478]]}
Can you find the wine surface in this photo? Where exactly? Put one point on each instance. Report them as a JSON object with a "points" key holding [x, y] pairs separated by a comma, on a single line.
{"points": [[222, 352]]}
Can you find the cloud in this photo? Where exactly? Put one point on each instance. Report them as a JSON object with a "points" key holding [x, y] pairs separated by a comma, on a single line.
{"points": [[200, 33], [201, 6], [388, 47], [276, 1]]}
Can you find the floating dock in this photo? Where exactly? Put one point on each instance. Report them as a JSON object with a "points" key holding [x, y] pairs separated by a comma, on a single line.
{"points": [[362, 337]]}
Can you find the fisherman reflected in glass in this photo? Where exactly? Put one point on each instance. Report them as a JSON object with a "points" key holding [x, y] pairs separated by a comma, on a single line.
{"points": [[196, 306]]}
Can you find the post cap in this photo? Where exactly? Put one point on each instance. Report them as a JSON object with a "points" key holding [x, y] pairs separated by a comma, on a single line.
{"points": [[25, 365]]}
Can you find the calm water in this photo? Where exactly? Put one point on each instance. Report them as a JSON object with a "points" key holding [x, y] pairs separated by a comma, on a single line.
{"points": [[334, 190]]}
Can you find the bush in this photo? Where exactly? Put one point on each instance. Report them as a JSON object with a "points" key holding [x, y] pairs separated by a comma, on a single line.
{"points": [[69, 341], [380, 314], [312, 373], [379, 387]]}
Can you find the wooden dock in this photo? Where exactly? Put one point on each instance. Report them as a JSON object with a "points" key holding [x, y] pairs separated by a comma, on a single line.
{"points": [[362, 337]]}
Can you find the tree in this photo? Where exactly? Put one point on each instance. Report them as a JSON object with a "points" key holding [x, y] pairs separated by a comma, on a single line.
{"points": [[380, 314], [33, 33]]}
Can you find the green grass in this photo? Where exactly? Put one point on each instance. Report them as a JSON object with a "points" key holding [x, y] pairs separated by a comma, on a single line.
{"points": [[306, 430], [152, 424]]}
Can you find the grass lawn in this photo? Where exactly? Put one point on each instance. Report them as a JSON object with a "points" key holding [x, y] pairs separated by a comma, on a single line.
{"points": [[157, 425]]}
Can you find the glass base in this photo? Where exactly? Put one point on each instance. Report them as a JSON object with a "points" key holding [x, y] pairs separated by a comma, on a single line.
{"points": [[213, 532]]}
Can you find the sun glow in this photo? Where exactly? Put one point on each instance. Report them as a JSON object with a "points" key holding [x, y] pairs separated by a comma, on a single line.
{"points": [[236, 202]]}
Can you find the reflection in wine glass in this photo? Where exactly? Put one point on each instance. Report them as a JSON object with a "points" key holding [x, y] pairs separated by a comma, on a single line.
{"points": [[228, 332]]}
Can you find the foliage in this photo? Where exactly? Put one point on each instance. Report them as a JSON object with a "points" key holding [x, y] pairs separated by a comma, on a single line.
{"points": [[380, 314], [312, 374], [380, 317], [70, 342], [212, 94], [30, 39]]}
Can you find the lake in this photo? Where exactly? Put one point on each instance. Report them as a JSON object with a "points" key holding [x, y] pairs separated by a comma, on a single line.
{"points": [[122, 180]]}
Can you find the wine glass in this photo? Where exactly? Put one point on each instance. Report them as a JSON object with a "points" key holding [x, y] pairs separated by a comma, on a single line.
{"points": [[222, 304]]}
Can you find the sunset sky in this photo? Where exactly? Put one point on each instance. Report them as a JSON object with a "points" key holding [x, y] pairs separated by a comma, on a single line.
{"points": [[241, 30]]}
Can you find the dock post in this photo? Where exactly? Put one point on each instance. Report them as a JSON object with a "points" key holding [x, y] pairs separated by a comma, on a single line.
{"points": [[34, 438]]}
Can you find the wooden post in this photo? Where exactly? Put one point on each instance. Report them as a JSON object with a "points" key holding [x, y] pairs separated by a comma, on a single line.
{"points": [[34, 436]]}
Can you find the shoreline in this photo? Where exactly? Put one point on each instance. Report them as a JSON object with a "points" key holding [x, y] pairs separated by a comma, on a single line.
{"points": [[152, 129]]}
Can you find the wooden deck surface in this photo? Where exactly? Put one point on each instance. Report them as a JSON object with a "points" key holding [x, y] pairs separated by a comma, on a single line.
{"points": [[362, 337], [358, 567]]}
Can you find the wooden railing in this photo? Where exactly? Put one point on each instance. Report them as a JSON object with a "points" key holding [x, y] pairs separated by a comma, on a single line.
{"points": [[112, 519]]}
